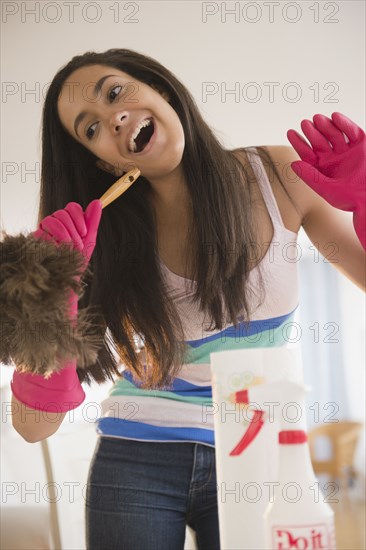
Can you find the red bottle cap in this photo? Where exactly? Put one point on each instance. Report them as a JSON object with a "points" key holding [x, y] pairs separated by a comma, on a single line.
{"points": [[292, 436], [242, 396]]}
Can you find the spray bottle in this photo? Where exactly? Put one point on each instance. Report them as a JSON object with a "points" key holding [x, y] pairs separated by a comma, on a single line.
{"points": [[297, 516]]}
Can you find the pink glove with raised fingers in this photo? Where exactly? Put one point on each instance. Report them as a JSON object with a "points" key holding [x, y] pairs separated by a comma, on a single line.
{"points": [[333, 167], [62, 391]]}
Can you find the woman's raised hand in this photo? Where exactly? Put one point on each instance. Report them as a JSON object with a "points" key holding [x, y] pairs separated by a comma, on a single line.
{"points": [[334, 166]]}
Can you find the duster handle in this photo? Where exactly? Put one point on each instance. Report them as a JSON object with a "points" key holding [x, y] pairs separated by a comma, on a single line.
{"points": [[119, 187]]}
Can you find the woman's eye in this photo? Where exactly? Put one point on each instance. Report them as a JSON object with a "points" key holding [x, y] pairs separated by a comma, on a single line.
{"points": [[90, 132], [112, 91]]}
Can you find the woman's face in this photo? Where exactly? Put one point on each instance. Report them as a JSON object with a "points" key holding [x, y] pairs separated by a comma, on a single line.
{"points": [[105, 119]]}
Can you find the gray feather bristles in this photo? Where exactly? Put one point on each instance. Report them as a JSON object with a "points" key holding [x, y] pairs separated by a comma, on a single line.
{"points": [[36, 332]]}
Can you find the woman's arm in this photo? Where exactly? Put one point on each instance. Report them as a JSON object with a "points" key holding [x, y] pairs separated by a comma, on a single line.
{"points": [[330, 230], [34, 425]]}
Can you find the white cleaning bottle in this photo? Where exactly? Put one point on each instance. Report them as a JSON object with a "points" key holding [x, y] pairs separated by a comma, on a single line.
{"points": [[297, 517]]}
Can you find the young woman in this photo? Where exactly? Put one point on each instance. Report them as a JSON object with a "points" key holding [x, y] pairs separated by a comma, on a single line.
{"points": [[197, 256]]}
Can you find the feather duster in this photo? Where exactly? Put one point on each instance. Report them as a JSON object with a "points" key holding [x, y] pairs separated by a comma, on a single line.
{"points": [[36, 277], [36, 332]]}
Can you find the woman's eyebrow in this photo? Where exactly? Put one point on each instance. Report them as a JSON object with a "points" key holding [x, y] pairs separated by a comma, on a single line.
{"points": [[96, 90]]}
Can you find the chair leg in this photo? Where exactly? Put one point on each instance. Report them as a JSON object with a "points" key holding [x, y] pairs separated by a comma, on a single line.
{"points": [[352, 476], [344, 486]]}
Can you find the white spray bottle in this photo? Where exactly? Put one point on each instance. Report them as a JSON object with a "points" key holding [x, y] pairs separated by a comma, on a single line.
{"points": [[297, 516]]}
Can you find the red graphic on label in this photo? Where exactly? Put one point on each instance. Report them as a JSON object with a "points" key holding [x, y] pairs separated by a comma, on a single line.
{"points": [[305, 537]]}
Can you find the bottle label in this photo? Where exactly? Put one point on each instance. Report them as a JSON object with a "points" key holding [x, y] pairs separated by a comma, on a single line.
{"points": [[303, 537]]}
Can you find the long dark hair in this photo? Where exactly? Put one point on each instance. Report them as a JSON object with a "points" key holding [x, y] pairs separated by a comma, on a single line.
{"points": [[125, 287]]}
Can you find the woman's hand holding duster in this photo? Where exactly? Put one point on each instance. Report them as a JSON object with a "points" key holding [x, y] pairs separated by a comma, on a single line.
{"points": [[61, 390]]}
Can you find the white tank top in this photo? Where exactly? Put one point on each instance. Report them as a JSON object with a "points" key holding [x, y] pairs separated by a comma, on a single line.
{"points": [[176, 414]]}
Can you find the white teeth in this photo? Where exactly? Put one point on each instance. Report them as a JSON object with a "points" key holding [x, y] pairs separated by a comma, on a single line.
{"points": [[132, 144]]}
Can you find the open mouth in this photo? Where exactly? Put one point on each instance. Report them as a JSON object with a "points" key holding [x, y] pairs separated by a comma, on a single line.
{"points": [[142, 136]]}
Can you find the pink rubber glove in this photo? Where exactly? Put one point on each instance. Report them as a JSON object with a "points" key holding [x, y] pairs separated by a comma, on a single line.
{"points": [[62, 391], [333, 167]]}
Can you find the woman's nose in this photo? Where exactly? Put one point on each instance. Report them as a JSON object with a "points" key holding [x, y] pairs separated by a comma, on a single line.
{"points": [[117, 120]]}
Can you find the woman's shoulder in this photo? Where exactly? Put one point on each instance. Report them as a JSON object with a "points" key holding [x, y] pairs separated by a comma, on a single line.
{"points": [[276, 160]]}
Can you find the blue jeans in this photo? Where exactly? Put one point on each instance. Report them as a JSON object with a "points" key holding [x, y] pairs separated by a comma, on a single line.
{"points": [[141, 495]]}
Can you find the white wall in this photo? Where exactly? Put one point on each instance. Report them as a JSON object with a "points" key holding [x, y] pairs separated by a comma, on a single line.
{"points": [[313, 49], [325, 55]]}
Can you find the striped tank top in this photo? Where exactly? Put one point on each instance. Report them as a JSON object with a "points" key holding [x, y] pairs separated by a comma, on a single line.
{"points": [[175, 415]]}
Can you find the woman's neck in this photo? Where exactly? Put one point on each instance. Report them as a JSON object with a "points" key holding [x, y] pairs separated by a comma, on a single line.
{"points": [[169, 199]]}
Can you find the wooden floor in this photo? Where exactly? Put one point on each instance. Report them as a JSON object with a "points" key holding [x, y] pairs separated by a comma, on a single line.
{"points": [[350, 518]]}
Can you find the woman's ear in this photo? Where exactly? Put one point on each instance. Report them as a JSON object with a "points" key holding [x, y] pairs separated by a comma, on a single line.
{"points": [[106, 167]]}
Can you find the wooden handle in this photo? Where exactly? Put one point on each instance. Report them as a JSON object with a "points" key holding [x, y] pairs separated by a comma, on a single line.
{"points": [[119, 187]]}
